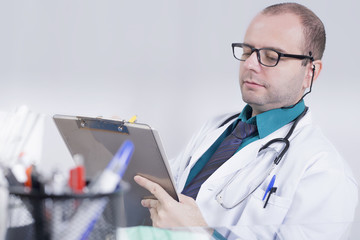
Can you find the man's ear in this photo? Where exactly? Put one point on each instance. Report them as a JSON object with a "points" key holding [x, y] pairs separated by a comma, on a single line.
{"points": [[314, 68]]}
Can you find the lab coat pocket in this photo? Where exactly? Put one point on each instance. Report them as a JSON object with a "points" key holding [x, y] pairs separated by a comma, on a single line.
{"points": [[273, 214]]}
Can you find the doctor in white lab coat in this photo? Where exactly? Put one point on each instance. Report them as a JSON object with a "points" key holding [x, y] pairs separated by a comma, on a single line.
{"points": [[314, 184], [316, 194]]}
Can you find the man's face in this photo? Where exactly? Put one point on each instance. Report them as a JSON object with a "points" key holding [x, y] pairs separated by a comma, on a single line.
{"points": [[265, 88]]}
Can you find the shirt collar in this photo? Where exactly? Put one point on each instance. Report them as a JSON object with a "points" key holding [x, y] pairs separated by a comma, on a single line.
{"points": [[270, 121]]}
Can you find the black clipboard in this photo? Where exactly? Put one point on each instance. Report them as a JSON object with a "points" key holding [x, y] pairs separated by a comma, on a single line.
{"points": [[98, 139]]}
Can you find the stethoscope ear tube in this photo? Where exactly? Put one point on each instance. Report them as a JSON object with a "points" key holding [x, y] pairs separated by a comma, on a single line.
{"points": [[283, 151], [284, 140]]}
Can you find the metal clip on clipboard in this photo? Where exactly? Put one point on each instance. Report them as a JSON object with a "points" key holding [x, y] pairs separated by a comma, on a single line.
{"points": [[104, 125]]}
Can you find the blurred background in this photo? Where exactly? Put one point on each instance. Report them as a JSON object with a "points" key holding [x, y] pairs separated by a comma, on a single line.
{"points": [[168, 62]]}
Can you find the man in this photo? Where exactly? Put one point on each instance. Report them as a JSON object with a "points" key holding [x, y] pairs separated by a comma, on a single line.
{"points": [[310, 187]]}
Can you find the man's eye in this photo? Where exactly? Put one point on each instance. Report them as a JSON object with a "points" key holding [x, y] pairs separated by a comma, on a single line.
{"points": [[271, 56]]}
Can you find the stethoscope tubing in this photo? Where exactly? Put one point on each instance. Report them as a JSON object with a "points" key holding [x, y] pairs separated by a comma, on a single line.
{"points": [[275, 163], [251, 192]]}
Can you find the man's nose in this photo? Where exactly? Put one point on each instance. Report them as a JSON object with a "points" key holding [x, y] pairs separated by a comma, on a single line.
{"points": [[252, 62]]}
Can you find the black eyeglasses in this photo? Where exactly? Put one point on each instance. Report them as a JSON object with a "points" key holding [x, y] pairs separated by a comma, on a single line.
{"points": [[266, 56]]}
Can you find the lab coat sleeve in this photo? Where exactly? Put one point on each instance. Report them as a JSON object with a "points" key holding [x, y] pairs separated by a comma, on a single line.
{"points": [[324, 203]]}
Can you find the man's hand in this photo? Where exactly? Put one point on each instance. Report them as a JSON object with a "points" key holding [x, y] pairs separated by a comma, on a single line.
{"points": [[167, 212]]}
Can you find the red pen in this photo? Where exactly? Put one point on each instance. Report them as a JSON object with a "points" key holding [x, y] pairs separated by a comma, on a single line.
{"points": [[77, 176], [28, 172]]}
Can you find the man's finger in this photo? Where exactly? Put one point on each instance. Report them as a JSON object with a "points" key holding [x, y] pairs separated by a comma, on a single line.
{"points": [[150, 203], [153, 216], [154, 189]]}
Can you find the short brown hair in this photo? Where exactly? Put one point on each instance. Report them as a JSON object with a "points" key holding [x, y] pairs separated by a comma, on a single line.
{"points": [[313, 27]]}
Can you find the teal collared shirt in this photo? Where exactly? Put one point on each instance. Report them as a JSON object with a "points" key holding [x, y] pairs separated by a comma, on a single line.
{"points": [[266, 122]]}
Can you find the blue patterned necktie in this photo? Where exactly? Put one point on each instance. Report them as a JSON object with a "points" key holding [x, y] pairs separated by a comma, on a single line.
{"points": [[225, 151]]}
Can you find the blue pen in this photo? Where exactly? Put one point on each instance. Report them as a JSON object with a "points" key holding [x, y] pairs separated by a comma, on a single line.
{"points": [[114, 171], [270, 190], [121, 159], [270, 186], [109, 179]]}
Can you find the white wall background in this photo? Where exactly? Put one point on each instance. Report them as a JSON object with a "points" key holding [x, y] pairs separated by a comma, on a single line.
{"points": [[169, 62]]}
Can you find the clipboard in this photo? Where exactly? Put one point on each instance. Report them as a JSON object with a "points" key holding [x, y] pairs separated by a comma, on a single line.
{"points": [[98, 139]]}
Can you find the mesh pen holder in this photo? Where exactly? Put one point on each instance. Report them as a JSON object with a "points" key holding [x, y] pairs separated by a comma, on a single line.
{"points": [[34, 215]]}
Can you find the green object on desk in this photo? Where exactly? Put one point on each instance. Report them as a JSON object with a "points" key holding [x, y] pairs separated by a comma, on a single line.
{"points": [[148, 233]]}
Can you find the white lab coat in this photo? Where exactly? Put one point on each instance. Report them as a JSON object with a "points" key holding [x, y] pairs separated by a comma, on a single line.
{"points": [[316, 193]]}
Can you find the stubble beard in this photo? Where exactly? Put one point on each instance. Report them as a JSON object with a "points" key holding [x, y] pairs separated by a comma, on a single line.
{"points": [[265, 100]]}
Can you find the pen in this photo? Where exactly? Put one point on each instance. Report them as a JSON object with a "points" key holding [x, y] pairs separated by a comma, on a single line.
{"points": [[271, 184], [28, 173], [77, 175], [114, 171], [272, 190], [269, 190], [133, 119]]}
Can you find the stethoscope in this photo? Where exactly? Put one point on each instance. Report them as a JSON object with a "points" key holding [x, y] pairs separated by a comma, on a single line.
{"points": [[285, 141]]}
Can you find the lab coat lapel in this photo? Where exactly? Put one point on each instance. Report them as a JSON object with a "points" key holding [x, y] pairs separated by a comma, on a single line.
{"points": [[206, 144], [208, 141]]}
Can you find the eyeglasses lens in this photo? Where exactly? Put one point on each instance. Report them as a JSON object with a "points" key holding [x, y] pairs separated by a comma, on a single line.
{"points": [[268, 57]]}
